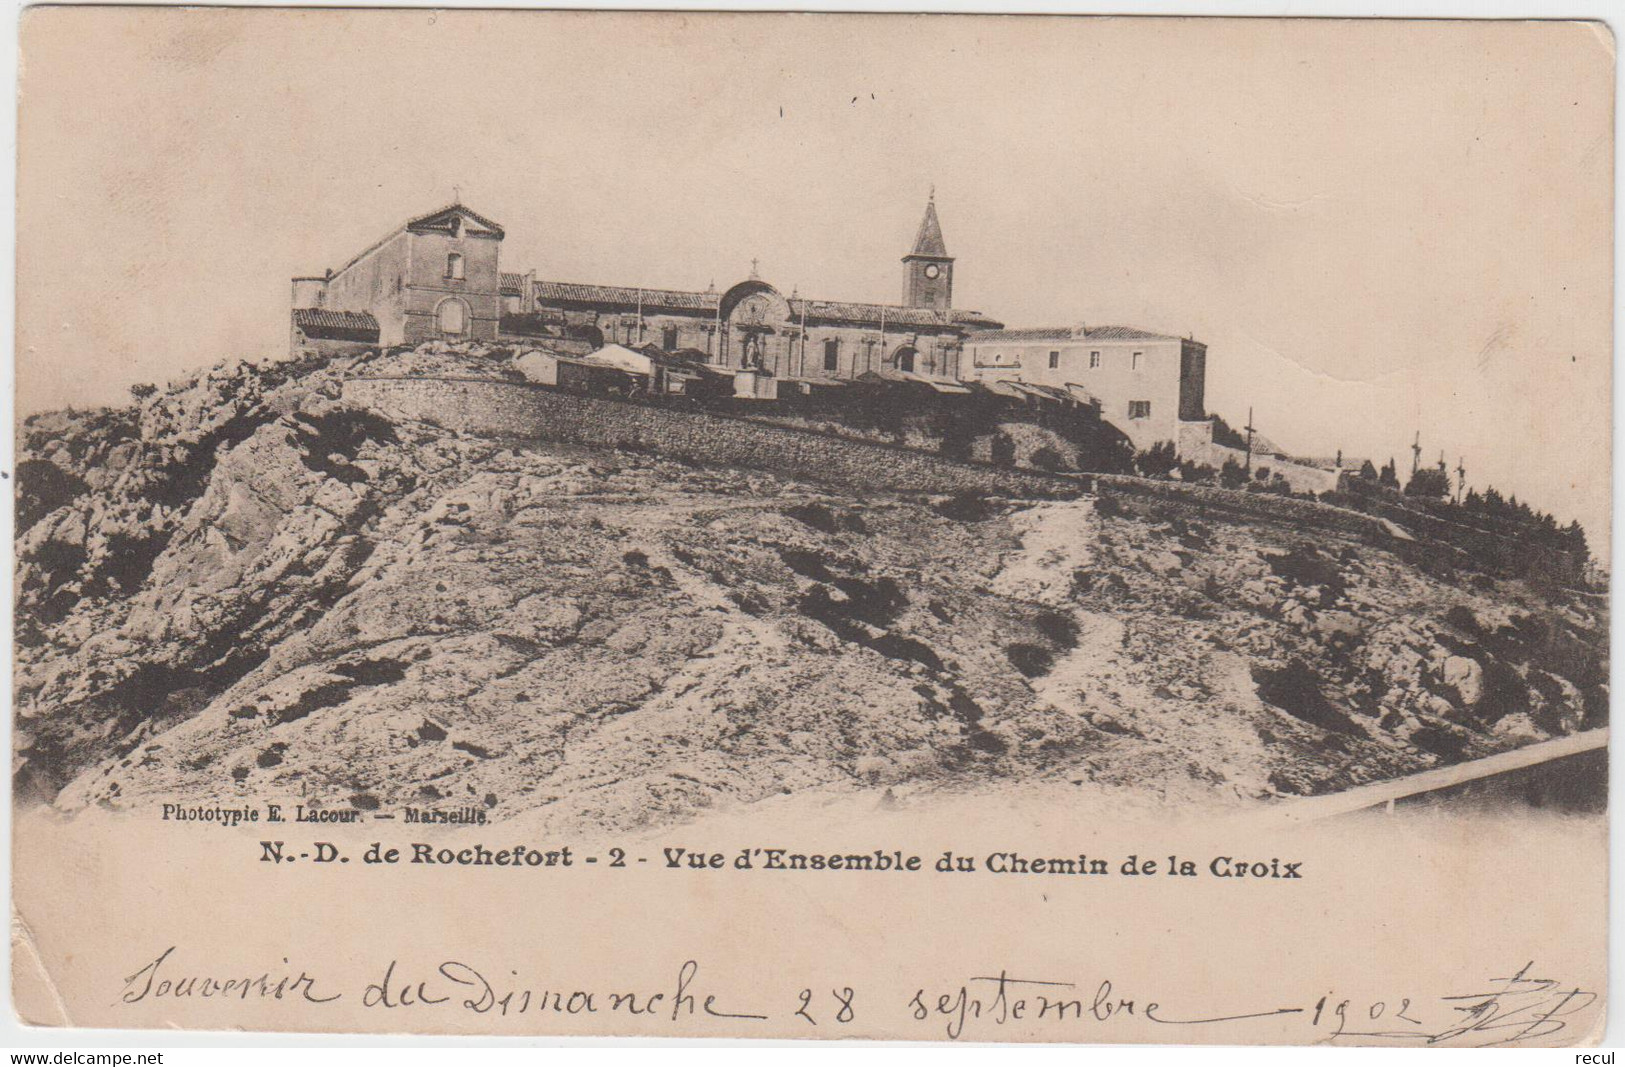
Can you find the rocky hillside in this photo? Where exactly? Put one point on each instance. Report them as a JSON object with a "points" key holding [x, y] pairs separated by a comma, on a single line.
{"points": [[242, 588]]}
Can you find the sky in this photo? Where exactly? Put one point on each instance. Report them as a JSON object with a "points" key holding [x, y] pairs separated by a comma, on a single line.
{"points": [[1378, 228]]}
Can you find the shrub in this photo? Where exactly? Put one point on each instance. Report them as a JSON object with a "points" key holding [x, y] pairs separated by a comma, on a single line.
{"points": [[823, 518], [42, 487], [1158, 461], [1030, 660], [968, 505], [1061, 629], [1461, 617], [1296, 690], [1047, 458], [1197, 473], [1307, 568], [1003, 449]]}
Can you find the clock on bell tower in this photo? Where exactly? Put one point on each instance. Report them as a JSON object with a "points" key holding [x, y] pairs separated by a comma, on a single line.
{"points": [[928, 271]]}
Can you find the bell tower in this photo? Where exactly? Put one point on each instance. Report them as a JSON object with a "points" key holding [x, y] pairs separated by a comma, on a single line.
{"points": [[928, 271]]}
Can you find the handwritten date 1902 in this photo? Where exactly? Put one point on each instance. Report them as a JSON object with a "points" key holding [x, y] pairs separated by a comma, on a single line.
{"points": [[1504, 1011]]}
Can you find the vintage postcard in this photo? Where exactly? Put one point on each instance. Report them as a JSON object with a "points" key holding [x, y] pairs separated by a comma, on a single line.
{"points": [[920, 527]]}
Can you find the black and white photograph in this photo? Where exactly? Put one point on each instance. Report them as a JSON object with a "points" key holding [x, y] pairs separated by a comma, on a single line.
{"points": [[787, 472]]}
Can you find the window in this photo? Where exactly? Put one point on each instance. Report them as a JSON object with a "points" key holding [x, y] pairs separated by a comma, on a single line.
{"points": [[1094, 360], [453, 317], [668, 338], [832, 354], [1134, 361], [1054, 360], [454, 265], [1139, 409]]}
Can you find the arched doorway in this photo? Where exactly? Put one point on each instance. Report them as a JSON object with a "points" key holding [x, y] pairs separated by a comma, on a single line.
{"points": [[451, 318], [904, 358]]}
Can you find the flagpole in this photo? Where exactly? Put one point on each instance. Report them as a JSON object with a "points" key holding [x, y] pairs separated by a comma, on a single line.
{"points": [[882, 336]]}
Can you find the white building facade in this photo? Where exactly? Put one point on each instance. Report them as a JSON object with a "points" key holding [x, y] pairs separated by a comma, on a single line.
{"points": [[1149, 385]]}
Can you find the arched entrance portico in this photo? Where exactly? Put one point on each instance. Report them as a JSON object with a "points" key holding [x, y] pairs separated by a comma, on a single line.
{"points": [[904, 358], [751, 315]]}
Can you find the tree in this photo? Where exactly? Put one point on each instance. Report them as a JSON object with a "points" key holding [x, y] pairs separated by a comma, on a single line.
{"points": [[1368, 473], [142, 390], [1388, 478], [1429, 482], [1224, 435], [1575, 540]]}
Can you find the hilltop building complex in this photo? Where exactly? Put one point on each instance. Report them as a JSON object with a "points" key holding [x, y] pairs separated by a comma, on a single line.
{"points": [[438, 276]]}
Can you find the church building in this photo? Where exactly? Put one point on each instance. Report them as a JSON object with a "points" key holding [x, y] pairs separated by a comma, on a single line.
{"points": [[438, 276], [433, 276], [753, 324]]}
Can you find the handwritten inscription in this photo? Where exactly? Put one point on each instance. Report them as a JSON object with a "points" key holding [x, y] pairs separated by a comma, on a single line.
{"points": [[1519, 1009]]}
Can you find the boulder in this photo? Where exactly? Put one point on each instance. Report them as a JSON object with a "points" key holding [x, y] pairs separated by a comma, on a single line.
{"points": [[1466, 676]]}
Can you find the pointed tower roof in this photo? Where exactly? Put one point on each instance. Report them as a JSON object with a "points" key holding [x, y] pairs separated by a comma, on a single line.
{"points": [[928, 242]]}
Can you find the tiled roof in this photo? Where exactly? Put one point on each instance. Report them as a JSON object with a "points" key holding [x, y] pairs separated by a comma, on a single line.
{"points": [[322, 324], [1033, 334], [848, 313], [575, 293], [974, 318], [867, 314], [822, 310], [513, 283]]}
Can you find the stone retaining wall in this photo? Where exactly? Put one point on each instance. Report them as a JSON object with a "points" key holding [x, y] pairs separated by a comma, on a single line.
{"points": [[509, 409]]}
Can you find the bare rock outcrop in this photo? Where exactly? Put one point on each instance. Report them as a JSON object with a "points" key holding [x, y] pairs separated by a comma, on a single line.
{"points": [[255, 591]]}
